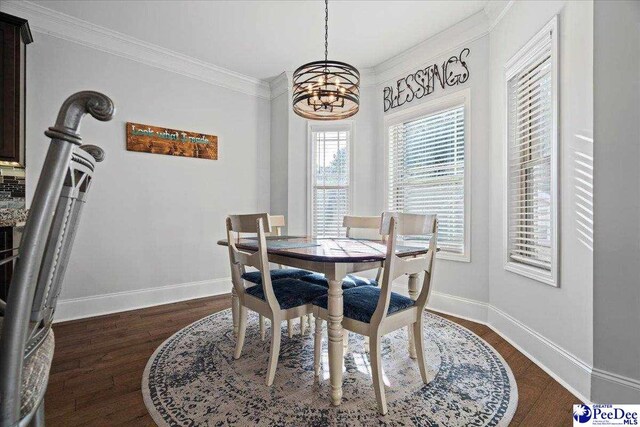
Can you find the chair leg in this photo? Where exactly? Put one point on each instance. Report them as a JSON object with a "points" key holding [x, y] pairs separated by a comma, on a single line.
{"points": [[310, 321], [317, 348], [234, 310], [303, 325], [38, 417], [413, 294], [376, 371], [275, 350], [418, 338], [345, 341], [242, 329], [290, 328], [366, 344], [263, 332]]}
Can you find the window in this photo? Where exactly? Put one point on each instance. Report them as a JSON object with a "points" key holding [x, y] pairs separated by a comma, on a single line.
{"points": [[532, 155], [427, 169], [330, 180]]}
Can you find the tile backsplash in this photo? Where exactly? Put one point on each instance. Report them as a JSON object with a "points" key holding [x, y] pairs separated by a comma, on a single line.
{"points": [[12, 188]]}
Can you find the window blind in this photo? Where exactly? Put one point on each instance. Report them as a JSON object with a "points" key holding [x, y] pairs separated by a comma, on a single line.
{"points": [[331, 182], [426, 172], [530, 148]]}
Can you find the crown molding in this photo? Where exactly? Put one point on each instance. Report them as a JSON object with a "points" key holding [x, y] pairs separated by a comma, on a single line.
{"points": [[280, 85], [458, 35], [46, 21], [496, 10]]}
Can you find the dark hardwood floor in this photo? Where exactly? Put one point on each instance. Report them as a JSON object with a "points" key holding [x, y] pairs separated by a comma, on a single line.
{"points": [[98, 364]]}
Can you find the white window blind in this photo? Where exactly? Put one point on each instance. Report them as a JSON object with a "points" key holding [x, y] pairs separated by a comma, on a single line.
{"points": [[531, 197], [426, 172], [330, 198]]}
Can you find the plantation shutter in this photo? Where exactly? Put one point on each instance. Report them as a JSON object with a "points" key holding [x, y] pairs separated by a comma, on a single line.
{"points": [[530, 147], [331, 181], [426, 172]]}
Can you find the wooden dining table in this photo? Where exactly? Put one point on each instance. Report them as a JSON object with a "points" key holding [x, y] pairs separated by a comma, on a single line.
{"points": [[335, 258]]}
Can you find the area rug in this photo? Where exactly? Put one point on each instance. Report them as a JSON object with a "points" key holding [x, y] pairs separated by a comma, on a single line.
{"points": [[192, 379]]}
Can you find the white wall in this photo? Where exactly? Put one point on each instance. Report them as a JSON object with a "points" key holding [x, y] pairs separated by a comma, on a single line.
{"points": [[616, 294], [279, 158], [554, 325], [151, 220]]}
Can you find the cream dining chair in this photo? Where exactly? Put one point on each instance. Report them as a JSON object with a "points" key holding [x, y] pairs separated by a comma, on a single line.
{"points": [[283, 299], [277, 223], [356, 227], [274, 228], [376, 311]]}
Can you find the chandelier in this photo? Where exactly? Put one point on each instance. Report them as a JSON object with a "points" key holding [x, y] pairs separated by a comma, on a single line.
{"points": [[326, 90]]}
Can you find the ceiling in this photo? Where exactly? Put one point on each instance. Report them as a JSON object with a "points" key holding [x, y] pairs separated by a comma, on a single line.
{"points": [[263, 38]]}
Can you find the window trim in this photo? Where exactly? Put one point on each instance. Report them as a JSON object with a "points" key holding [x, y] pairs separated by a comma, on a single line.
{"points": [[446, 102], [342, 125], [512, 67]]}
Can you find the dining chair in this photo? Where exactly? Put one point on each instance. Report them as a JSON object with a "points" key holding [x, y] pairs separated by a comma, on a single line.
{"points": [[376, 311], [278, 300], [274, 228], [356, 227], [278, 222], [26, 338], [410, 221]]}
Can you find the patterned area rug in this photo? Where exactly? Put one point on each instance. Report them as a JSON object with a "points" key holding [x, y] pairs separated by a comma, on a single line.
{"points": [[192, 379]]}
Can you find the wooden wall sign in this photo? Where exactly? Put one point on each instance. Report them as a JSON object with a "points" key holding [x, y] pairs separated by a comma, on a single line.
{"points": [[158, 140]]}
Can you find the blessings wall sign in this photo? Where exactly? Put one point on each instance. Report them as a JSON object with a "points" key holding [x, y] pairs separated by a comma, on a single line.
{"points": [[423, 82], [159, 140]]}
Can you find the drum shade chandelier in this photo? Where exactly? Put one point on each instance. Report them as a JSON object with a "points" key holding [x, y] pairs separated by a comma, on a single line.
{"points": [[326, 90]]}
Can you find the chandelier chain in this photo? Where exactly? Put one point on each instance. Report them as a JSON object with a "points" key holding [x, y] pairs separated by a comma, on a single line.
{"points": [[326, 30]]}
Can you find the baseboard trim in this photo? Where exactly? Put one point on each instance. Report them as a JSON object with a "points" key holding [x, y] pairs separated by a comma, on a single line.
{"points": [[98, 305], [464, 308], [570, 371], [613, 388]]}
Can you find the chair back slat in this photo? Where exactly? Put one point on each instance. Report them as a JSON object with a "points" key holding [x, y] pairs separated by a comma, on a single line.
{"points": [[46, 244], [246, 223], [360, 223], [407, 224], [277, 223]]}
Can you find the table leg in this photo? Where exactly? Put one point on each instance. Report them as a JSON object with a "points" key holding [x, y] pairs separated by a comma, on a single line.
{"points": [[413, 294], [334, 328]]}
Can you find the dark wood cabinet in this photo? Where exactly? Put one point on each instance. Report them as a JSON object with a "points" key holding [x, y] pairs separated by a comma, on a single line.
{"points": [[14, 35]]}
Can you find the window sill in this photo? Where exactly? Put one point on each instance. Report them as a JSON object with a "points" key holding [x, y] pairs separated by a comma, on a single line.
{"points": [[531, 273], [454, 257]]}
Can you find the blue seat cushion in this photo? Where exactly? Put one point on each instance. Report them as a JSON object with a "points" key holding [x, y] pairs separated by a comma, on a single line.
{"points": [[348, 282], [290, 292], [281, 273], [361, 302]]}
